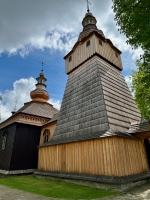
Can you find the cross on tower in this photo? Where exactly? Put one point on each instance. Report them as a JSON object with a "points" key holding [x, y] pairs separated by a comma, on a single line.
{"points": [[42, 63], [15, 108], [88, 2]]}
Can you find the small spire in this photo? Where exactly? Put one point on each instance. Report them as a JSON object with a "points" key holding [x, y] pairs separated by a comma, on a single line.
{"points": [[88, 2]]}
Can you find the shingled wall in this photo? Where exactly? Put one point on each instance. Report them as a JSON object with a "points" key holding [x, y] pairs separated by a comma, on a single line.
{"points": [[96, 101]]}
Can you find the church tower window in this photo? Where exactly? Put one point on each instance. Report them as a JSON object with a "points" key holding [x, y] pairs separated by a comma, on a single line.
{"points": [[88, 43], [86, 22], [116, 54], [70, 58], [100, 42], [46, 135]]}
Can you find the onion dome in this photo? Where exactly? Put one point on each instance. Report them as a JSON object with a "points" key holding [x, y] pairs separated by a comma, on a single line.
{"points": [[89, 25], [89, 21], [40, 94]]}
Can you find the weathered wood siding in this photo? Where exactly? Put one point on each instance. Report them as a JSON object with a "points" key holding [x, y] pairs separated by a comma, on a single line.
{"points": [[96, 100], [25, 153], [111, 156], [5, 155], [82, 53]]}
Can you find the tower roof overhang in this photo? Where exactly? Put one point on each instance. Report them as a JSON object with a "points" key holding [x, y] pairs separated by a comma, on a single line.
{"points": [[87, 37]]}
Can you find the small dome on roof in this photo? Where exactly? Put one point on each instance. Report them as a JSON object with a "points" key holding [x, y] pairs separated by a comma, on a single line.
{"points": [[89, 19], [40, 93], [88, 13], [89, 25]]}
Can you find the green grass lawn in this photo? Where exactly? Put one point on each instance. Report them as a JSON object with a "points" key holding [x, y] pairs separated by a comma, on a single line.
{"points": [[53, 188]]}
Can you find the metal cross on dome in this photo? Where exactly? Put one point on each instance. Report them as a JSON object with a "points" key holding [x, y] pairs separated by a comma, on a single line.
{"points": [[88, 2], [15, 108], [42, 63]]}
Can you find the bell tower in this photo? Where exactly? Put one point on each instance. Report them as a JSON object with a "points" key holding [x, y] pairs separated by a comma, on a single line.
{"points": [[97, 101], [92, 42]]}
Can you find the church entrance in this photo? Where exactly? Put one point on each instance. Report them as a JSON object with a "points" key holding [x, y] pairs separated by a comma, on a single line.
{"points": [[147, 148]]}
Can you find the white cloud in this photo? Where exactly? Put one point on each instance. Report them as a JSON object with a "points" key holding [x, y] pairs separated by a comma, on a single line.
{"points": [[20, 92], [35, 24], [55, 103], [128, 80], [30, 24], [24, 25]]}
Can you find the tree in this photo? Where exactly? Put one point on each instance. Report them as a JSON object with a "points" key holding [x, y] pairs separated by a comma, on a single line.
{"points": [[141, 88], [133, 19]]}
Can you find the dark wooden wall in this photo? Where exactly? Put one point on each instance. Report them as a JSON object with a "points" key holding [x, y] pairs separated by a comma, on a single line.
{"points": [[5, 155], [25, 153]]}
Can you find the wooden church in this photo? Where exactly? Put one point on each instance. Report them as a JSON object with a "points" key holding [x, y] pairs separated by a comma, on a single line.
{"points": [[98, 135], [20, 133]]}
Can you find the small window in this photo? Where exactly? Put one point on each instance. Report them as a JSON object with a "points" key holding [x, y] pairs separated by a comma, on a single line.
{"points": [[91, 21], [38, 119], [46, 135], [88, 43], [4, 140], [33, 119], [86, 22], [70, 58], [28, 118], [100, 42], [22, 116], [116, 54], [43, 120], [41, 81]]}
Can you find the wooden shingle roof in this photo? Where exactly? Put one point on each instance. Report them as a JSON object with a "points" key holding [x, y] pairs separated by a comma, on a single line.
{"points": [[41, 109], [96, 103], [139, 126], [34, 108], [55, 118]]}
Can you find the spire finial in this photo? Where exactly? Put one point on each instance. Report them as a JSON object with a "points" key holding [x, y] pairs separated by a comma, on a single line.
{"points": [[88, 2], [42, 63]]}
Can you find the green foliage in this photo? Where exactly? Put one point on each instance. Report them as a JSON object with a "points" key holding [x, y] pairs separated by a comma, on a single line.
{"points": [[141, 88], [53, 188], [133, 19]]}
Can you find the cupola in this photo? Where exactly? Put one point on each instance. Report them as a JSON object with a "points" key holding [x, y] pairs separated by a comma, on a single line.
{"points": [[40, 94], [89, 21], [89, 25]]}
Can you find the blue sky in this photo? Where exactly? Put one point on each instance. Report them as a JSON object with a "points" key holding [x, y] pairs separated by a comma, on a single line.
{"points": [[35, 31]]}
